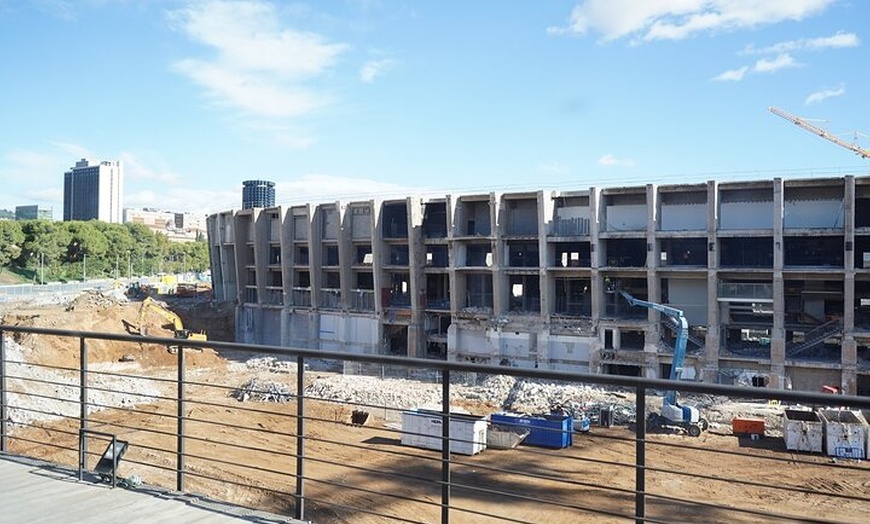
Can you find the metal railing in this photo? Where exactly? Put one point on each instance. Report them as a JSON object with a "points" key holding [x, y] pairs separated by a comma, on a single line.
{"points": [[318, 457]]}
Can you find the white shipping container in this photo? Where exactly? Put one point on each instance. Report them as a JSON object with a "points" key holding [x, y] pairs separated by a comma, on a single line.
{"points": [[802, 431], [422, 429], [845, 433]]}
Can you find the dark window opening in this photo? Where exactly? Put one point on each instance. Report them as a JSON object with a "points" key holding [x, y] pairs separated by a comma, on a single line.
{"points": [[573, 297], [330, 255], [629, 252], [684, 252], [437, 256], [363, 255], [479, 291], [572, 254], [525, 294], [437, 292], [395, 221], [399, 256], [435, 220], [478, 255], [623, 370], [523, 254], [746, 252], [813, 251], [274, 255]]}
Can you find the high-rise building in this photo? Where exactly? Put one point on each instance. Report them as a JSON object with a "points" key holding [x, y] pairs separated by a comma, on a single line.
{"points": [[92, 190], [258, 193], [33, 213]]}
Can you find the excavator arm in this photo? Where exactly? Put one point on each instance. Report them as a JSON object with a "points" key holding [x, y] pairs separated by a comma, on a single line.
{"points": [[177, 325]]}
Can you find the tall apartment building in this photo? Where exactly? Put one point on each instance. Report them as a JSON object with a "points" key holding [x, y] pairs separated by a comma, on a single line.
{"points": [[177, 227], [258, 193], [772, 275], [92, 190]]}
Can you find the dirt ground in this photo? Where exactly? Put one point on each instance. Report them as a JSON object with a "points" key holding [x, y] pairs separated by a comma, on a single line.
{"points": [[384, 474]]}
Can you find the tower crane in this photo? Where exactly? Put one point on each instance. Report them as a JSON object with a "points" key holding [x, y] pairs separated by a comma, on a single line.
{"points": [[863, 153]]}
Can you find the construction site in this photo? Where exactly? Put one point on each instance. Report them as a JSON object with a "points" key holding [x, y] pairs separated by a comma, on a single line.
{"points": [[246, 399], [773, 277]]}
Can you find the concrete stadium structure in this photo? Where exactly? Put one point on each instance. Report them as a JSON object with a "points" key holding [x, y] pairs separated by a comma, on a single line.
{"points": [[773, 277]]}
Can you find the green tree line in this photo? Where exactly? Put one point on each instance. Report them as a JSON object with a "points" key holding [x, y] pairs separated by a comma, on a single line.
{"points": [[45, 251]]}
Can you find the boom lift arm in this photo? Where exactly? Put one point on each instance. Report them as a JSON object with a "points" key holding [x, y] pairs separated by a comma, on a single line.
{"points": [[673, 413], [863, 153]]}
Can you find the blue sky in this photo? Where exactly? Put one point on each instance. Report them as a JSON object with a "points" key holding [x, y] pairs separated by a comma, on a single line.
{"points": [[359, 99]]}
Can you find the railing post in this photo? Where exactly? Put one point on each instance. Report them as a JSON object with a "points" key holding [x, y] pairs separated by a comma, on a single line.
{"points": [[300, 438], [445, 446], [83, 394], [179, 455], [640, 457], [2, 394]]}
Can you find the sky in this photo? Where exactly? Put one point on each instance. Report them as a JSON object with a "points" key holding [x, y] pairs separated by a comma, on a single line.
{"points": [[369, 99]]}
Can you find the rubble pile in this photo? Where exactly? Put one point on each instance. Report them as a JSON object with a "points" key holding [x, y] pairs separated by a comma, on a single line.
{"points": [[50, 394], [504, 392], [92, 299], [372, 391], [263, 391]]}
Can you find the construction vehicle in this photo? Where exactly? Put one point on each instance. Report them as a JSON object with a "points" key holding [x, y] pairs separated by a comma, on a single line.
{"points": [[178, 327], [863, 153], [673, 413]]}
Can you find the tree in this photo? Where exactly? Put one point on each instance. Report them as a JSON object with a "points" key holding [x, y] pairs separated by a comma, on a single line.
{"points": [[11, 242], [87, 243], [46, 239]]}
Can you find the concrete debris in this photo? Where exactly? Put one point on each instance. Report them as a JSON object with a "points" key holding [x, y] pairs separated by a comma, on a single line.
{"points": [[50, 394], [264, 391]]}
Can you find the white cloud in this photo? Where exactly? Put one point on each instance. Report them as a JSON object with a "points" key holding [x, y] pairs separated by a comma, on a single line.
{"points": [[35, 176], [259, 67], [135, 169], [610, 160], [316, 187], [374, 68], [824, 94], [734, 75], [783, 61], [836, 41], [763, 65], [199, 200], [678, 19]]}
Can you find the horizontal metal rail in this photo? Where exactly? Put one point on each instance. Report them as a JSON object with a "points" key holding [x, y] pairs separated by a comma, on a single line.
{"points": [[174, 437]]}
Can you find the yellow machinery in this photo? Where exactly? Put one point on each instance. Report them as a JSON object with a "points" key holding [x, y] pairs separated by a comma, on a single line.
{"points": [[149, 304]]}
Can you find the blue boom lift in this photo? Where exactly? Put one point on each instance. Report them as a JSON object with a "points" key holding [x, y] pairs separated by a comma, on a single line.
{"points": [[673, 413]]}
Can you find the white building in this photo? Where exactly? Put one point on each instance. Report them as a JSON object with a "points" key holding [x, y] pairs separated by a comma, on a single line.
{"points": [[178, 227], [92, 190]]}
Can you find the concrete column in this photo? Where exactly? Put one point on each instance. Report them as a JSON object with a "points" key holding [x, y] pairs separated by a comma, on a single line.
{"points": [[499, 279], [777, 337], [653, 284], [345, 254], [547, 289], [710, 365], [710, 370], [416, 264], [849, 350], [596, 283]]}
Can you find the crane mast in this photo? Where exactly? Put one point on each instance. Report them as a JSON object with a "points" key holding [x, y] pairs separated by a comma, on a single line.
{"points": [[863, 153]]}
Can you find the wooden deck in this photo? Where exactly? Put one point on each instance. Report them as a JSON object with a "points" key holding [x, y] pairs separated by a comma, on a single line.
{"points": [[33, 492]]}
